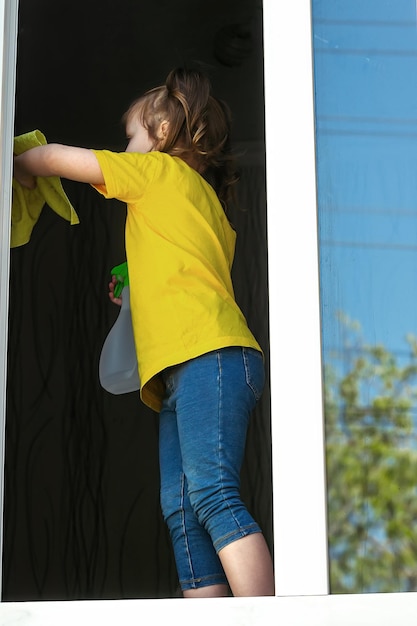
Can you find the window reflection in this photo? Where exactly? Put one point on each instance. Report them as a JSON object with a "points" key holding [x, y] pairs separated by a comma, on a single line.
{"points": [[365, 57]]}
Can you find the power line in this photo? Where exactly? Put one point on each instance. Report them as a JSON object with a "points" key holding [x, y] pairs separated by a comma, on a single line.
{"points": [[367, 52], [357, 350], [378, 23], [366, 133], [369, 211], [372, 246], [363, 119]]}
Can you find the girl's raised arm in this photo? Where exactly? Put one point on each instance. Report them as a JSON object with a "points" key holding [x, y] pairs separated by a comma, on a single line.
{"points": [[79, 164]]}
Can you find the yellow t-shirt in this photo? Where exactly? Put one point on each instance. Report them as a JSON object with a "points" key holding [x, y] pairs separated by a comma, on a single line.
{"points": [[180, 248]]}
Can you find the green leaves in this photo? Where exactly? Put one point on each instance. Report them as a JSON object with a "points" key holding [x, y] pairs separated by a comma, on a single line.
{"points": [[370, 400]]}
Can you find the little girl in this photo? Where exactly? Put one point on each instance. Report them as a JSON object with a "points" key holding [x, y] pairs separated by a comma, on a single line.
{"points": [[200, 366]]}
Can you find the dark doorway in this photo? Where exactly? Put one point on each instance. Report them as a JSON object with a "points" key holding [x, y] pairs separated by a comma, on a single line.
{"points": [[82, 515]]}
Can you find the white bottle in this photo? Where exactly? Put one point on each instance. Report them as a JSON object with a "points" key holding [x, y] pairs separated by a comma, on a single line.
{"points": [[118, 366]]}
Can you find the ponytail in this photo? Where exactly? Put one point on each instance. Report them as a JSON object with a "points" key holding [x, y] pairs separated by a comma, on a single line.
{"points": [[198, 129]]}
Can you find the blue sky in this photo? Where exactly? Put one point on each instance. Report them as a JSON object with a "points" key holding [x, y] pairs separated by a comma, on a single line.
{"points": [[365, 59]]}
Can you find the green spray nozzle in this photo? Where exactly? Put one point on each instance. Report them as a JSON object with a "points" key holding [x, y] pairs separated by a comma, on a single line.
{"points": [[122, 276]]}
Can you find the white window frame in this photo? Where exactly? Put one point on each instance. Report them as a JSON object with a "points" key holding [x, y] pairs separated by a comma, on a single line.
{"points": [[297, 423]]}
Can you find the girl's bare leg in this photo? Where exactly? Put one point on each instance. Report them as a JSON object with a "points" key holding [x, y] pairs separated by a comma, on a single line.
{"points": [[212, 591], [248, 566]]}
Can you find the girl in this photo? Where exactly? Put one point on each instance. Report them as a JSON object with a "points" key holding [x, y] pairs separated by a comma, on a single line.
{"points": [[200, 366]]}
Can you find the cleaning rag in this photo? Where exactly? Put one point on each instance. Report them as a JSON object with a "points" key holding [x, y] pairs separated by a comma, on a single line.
{"points": [[27, 204]]}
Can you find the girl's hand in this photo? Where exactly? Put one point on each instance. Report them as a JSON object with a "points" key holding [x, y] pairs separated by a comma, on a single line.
{"points": [[111, 292], [21, 175]]}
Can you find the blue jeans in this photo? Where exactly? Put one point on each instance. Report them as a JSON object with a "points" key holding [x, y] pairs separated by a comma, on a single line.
{"points": [[203, 426]]}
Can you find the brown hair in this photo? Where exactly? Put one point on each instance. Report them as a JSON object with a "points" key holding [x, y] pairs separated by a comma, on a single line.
{"points": [[198, 129]]}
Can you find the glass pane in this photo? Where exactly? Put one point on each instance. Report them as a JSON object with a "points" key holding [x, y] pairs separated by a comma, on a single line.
{"points": [[365, 56], [81, 516]]}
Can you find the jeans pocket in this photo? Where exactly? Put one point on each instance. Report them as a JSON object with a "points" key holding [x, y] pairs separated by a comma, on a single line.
{"points": [[254, 371]]}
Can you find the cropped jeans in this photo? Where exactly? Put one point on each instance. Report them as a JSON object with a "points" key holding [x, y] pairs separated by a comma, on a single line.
{"points": [[203, 426]]}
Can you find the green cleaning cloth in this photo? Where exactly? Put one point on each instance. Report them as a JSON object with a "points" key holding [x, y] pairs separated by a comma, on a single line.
{"points": [[28, 203]]}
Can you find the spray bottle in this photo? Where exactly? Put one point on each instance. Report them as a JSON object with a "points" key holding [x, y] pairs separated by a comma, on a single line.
{"points": [[118, 366]]}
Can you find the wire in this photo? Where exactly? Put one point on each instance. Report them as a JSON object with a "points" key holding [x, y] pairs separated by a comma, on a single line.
{"points": [[367, 210], [367, 52], [362, 119], [377, 23], [366, 133], [363, 244]]}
